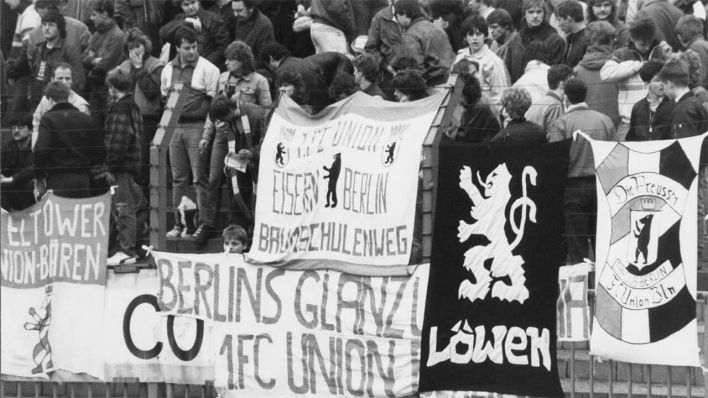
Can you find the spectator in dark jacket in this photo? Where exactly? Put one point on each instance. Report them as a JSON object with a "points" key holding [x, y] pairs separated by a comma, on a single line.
{"points": [[123, 129], [478, 124], [280, 61], [517, 101], [606, 10], [651, 117], [535, 26], [425, 42], [507, 42], [688, 119], [689, 32], [212, 37], [665, 15], [144, 71], [409, 86], [366, 75], [572, 23], [385, 37], [223, 8], [251, 26], [146, 15], [448, 15], [602, 95], [17, 173], [333, 25], [105, 52], [45, 55], [68, 147]]}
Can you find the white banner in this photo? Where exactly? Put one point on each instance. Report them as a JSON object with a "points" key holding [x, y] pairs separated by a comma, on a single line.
{"points": [[573, 316], [140, 342], [283, 333], [53, 283], [339, 191], [646, 252]]}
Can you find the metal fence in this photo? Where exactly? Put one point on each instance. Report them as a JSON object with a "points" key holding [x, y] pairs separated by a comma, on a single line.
{"points": [[582, 375]]}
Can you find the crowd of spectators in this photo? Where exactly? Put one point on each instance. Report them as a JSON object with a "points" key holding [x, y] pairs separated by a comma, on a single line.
{"points": [[84, 83]]}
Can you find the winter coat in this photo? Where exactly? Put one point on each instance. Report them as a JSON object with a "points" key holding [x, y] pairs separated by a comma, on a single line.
{"points": [[642, 127], [623, 69], [146, 82], [689, 119], [521, 131], [430, 47], [512, 53], [479, 124], [549, 36], [212, 40], [68, 142], [594, 124], [256, 31], [602, 95], [385, 37]]}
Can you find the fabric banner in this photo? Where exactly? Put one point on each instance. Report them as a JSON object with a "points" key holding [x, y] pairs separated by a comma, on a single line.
{"points": [[338, 190], [573, 309], [53, 280], [646, 252], [490, 316], [284, 333], [140, 342]]}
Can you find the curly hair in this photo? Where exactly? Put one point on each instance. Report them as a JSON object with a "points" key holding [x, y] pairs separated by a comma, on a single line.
{"points": [[516, 100], [693, 61], [134, 37], [241, 52]]}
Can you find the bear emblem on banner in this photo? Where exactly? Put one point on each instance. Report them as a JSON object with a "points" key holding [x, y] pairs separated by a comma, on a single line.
{"points": [[646, 244], [488, 211]]}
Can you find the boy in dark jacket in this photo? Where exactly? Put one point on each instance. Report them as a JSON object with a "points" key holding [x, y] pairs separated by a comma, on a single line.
{"points": [[123, 129], [651, 117], [68, 147], [16, 179], [688, 119]]}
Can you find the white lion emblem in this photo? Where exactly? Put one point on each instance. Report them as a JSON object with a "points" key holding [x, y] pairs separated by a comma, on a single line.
{"points": [[505, 277]]}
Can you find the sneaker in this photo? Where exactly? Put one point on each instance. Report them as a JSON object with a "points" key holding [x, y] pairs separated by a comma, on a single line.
{"points": [[121, 258], [176, 231], [202, 233]]}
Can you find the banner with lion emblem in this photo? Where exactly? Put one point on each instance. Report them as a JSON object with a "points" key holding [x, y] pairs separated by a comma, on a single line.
{"points": [[490, 316], [338, 190], [646, 251]]}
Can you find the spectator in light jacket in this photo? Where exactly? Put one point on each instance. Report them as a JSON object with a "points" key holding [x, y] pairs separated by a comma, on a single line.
{"points": [[580, 201], [623, 68], [492, 74], [535, 77], [551, 107], [201, 78]]}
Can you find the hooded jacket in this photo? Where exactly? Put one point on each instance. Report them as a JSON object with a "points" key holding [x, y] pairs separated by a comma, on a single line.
{"points": [[602, 96], [623, 68], [549, 36]]}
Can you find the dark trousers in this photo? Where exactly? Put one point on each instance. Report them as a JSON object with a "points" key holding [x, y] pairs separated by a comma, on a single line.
{"points": [[17, 196], [70, 185], [580, 208]]}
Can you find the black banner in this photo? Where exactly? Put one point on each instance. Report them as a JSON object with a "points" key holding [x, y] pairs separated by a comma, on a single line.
{"points": [[490, 318]]}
